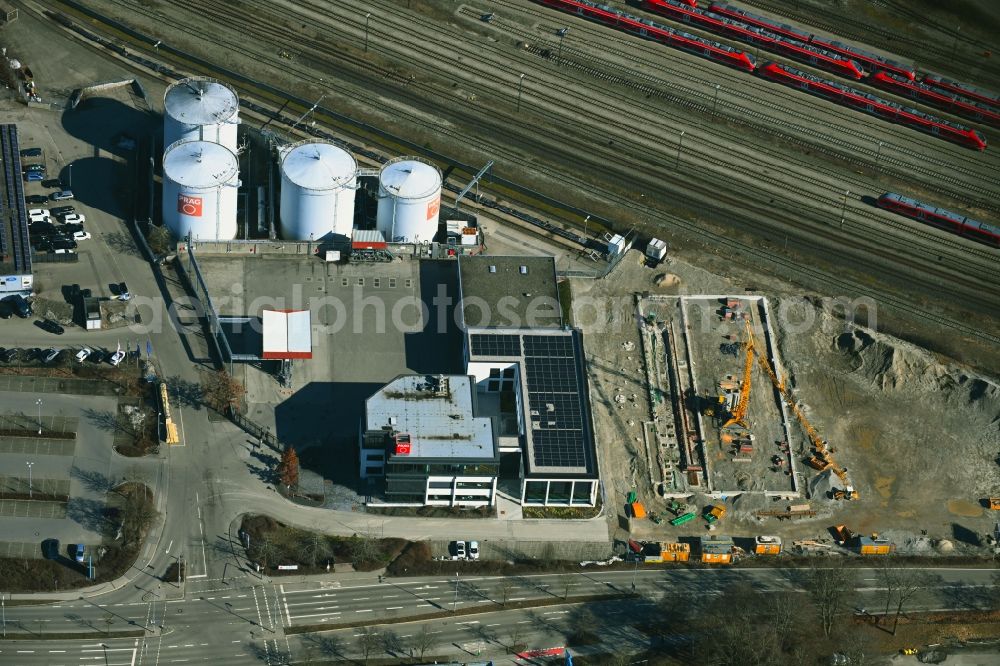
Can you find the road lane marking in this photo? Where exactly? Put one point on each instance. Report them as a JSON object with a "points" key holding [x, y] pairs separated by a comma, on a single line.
{"points": [[367, 610], [57, 650], [288, 616], [394, 608]]}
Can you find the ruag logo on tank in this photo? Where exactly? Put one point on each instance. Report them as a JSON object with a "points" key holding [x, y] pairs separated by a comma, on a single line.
{"points": [[189, 205]]}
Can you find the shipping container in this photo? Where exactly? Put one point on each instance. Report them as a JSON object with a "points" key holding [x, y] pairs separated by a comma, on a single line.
{"points": [[638, 510], [656, 553], [683, 518], [368, 239], [767, 545]]}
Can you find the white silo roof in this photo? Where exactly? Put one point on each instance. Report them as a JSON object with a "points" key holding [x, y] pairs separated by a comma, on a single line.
{"points": [[200, 102], [200, 164], [317, 165], [410, 179]]}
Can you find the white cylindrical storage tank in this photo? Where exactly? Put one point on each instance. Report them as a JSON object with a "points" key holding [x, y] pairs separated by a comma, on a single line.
{"points": [[200, 181], [200, 109], [409, 200], [318, 185]]}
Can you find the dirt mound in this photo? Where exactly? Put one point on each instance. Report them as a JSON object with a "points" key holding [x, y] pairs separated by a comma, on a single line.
{"points": [[666, 280], [821, 486]]}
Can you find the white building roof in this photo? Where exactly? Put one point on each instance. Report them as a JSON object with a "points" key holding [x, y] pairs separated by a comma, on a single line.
{"points": [[436, 412], [287, 334]]}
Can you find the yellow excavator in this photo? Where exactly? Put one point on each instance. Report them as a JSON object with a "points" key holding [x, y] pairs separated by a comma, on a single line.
{"points": [[821, 458]]}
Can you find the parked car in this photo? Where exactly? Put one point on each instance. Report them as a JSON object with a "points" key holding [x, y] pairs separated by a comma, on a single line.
{"points": [[64, 243], [6, 311], [20, 305], [74, 218], [34, 176], [71, 228], [460, 550], [34, 219], [81, 235], [117, 357], [78, 551], [98, 356], [50, 326], [50, 549], [62, 210], [83, 354], [52, 182], [31, 152], [36, 199], [62, 195], [62, 250], [44, 212], [123, 293], [34, 167], [8, 355], [51, 354], [473, 550]]}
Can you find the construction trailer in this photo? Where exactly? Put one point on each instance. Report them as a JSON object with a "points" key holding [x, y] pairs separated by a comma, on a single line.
{"points": [[767, 545], [875, 545], [714, 513], [683, 518], [656, 250], [666, 551], [716, 550]]}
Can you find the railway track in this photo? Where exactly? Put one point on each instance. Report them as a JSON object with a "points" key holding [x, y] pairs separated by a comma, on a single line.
{"points": [[958, 267], [764, 99], [861, 32], [787, 185], [710, 237]]}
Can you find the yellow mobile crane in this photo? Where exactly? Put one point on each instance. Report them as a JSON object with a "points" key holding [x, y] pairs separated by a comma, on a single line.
{"points": [[821, 458]]}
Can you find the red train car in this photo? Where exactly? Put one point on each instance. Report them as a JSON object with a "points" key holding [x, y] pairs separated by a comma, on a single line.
{"points": [[873, 105], [939, 217], [939, 98], [766, 39], [642, 27], [990, 99], [871, 61]]}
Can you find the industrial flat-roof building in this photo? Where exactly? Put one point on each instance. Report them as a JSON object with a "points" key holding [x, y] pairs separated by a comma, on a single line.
{"points": [[519, 420], [533, 367], [15, 247], [422, 433]]}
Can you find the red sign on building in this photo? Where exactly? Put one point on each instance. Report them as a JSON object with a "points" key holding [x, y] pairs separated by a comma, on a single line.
{"points": [[403, 444], [433, 207], [189, 205]]}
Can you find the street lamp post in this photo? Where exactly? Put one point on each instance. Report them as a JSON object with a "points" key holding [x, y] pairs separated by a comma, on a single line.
{"points": [[843, 210], [562, 35], [454, 605], [715, 101], [39, 404], [520, 84], [367, 18], [29, 464], [586, 220], [680, 142]]}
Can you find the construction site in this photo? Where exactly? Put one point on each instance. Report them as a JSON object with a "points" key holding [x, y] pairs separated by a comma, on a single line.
{"points": [[769, 420]]}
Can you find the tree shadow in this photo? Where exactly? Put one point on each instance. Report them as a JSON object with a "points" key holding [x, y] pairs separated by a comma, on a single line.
{"points": [[392, 643], [89, 514], [258, 652], [121, 243], [103, 419], [268, 473], [93, 481], [324, 647], [185, 392]]}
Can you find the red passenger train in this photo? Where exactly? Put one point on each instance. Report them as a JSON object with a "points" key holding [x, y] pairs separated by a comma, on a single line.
{"points": [[939, 217], [873, 105], [654, 31], [990, 99], [939, 98], [871, 61], [766, 39]]}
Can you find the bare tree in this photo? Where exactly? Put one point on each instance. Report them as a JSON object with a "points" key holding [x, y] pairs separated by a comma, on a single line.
{"points": [[908, 583], [138, 513], [515, 634], [506, 586], [423, 641], [159, 239], [221, 391], [315, 546], [264, 550], [827, 587], [391, 643], [365, 548], [368, 640]]}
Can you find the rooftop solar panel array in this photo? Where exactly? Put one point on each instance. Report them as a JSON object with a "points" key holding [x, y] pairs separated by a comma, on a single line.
{"points": [[14, 240], [555, 395], [484, 344]]}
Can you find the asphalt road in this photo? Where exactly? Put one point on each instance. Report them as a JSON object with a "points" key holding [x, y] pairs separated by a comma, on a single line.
{"points": [[247, 617]]}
